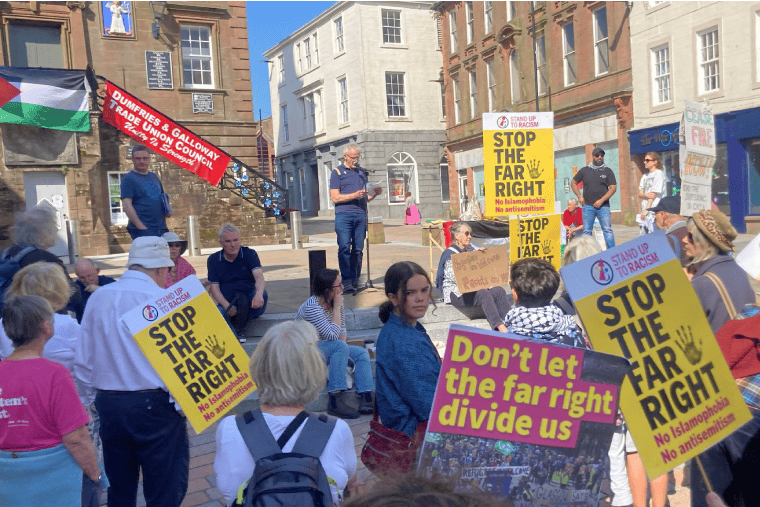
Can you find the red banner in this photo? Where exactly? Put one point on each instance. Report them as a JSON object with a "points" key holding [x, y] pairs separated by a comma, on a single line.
{"points": [[146, 125]]}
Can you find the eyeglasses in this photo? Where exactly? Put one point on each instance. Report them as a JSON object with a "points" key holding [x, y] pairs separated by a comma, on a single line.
{"points": [[690, 237], [648, 160], [176, 245], [354, 158]]}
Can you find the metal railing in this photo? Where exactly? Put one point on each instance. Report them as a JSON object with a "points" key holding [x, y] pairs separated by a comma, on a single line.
{"points": [[256, 189]]}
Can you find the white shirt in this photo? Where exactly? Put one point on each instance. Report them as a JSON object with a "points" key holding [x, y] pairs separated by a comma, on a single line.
{"points": [[108, 357], [652, 182], [233, 464], [60, 348]]}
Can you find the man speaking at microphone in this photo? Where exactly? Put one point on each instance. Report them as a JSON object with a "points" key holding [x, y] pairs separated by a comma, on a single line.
{"points": [[348, 191]]}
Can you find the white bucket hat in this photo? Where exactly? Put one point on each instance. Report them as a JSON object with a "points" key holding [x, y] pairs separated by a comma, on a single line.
{"points": [[149, 252]]}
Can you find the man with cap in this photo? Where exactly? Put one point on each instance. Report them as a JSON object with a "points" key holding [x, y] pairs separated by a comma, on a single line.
{"points": [[667, 217], [599, 184], [141, 428]]}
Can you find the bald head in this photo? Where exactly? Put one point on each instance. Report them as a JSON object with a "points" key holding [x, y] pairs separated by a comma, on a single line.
{"points": [[87, 272]]}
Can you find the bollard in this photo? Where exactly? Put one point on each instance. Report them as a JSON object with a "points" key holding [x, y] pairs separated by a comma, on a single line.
{"points": [[193, 236], [72, 233], [295, 229], [317, 262]]}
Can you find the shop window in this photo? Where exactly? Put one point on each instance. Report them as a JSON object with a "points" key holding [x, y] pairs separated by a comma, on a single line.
{"points": [[402, 177], [720, 192], [753, 187], [118, 217]]}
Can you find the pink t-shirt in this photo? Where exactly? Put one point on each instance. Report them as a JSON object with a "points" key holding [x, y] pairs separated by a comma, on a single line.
{"points": [[38, 404]]}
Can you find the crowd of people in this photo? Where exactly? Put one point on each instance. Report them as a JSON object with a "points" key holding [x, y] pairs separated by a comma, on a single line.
{"points": [[82, 407]]}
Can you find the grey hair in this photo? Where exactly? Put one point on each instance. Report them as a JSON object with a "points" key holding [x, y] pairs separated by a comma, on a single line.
{"points": [[227, 228], [572, 199], [579, 248], [457, 227], [350, 147], [140, 147], [287, 365], [36, 226], [706, 248], [84, 262], [23, 316]]}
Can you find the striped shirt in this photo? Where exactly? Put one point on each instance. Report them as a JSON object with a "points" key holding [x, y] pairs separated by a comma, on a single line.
{"points": [[311, 311]]}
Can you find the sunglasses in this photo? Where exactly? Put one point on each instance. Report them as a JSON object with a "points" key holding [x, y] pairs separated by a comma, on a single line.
{"points": [[648, 160], [178, 245]]}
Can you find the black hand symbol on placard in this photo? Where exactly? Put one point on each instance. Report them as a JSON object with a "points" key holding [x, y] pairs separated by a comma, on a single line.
{"points": [[533, 169], [686, 343], [212, 345], [547, 247]]}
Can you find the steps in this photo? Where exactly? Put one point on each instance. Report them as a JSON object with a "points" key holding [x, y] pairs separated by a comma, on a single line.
{"points": [[364, 324]]}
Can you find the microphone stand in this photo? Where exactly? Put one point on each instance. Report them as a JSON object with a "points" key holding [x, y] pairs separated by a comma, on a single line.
{"points": [[366, 172]]}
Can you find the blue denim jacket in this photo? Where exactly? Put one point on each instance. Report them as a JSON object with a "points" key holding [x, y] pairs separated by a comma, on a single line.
{"points": [[407, 371]]}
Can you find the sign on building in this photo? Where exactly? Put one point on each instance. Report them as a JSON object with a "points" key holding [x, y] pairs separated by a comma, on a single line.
{"points": [[158, 68]]}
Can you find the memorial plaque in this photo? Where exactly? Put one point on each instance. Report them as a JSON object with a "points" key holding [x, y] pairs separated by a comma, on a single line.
{"points": [[203, 103], [158, 67]]}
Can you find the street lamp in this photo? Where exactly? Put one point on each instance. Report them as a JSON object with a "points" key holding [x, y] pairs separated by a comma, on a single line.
{"points": [[159, 10]]}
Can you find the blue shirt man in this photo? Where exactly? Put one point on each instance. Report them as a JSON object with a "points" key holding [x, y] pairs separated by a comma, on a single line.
{"points": [[349, 194], [89, 280], [141, 197]]}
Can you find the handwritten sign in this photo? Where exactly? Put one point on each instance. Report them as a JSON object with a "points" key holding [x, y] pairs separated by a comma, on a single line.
{"points": [[481, 269], [194, 351], [680, 398], [518, 156], [697, 157], [536, 237]]}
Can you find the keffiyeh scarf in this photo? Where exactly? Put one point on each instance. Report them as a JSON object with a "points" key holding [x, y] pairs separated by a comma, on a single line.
{"points": [[546, 323]]}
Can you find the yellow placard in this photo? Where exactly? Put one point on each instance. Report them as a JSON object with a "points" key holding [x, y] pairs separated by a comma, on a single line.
{"points": [[537, 237], [680, 398], [194, 351], [518, 163], [481, 269]]}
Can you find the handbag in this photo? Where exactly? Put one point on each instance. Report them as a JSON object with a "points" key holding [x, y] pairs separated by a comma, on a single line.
{"points": [[165, 201], [390, 452]]}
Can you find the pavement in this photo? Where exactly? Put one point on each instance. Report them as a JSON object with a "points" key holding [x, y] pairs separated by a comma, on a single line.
{"points": [[286, 272]]}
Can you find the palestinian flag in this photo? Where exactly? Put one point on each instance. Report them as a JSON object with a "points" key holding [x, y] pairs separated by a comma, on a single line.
{"points": [[48, 98]]}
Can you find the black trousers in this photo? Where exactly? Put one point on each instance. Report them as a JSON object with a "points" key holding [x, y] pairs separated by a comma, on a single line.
{"points": [[494, 302]]}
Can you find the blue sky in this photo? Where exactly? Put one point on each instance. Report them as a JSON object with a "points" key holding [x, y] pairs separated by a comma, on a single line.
{"points": [[269, 23]]}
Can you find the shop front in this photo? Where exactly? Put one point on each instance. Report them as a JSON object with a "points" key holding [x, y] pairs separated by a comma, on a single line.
{"points": [[736, 173]]}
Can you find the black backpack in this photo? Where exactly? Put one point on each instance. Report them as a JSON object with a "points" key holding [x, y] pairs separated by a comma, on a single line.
{"points": [[9, 266], [293, 478]]}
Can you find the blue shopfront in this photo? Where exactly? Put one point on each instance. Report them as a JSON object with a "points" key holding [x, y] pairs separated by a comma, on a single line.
{"points": [[736, 174]]}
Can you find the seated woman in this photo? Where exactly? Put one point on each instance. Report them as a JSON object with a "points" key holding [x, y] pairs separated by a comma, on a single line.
{"points": [[53, 447], [181, 268], [494, 301], [283, 393], [408, 363], [324, 309]]}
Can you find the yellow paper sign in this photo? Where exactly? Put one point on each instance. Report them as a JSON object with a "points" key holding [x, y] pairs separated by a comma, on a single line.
{"points": [[680, 398], [194, 351], [537, 237], [481, 269], [518, 158]]}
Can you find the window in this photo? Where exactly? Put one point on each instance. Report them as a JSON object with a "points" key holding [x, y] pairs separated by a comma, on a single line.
{"points": [[196, 57], [470, 21], [298, 58], [541, 62], [488, 16], [118, 217], [443, 101], [568, 51], [491, 85], [453, 30], [601, 50], [402, 170], [457, 102], [510, 10], [316, 49], [709, 70], [444, 167], [514, 77], [661, 75], [281, 67], [343, 96], [285, 130], [394, 93], [438, 31], [307, 52], [391, 26], [311, 112], [339, 48], [35, 46], [473, 94]]}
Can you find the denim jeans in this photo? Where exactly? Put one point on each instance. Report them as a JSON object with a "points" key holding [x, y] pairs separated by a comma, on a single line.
{"points": [[141, 430], [350, 228], [605, 220], [253, 313], [336, 353]]}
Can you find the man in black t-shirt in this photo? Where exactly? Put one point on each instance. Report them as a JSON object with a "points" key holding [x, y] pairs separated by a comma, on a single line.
{"points": [[599, 184]]}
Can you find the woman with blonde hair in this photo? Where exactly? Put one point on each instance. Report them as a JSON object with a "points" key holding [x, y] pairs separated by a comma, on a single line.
{"points": [[289, 371]]}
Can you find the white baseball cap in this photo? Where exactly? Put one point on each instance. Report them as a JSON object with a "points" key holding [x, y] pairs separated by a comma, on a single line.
{"points": [[149, 252]]}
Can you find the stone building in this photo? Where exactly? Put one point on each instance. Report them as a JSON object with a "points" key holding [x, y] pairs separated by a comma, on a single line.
{"points": [[364, 73], [706, 53], [583, 70], [204, 50]]}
